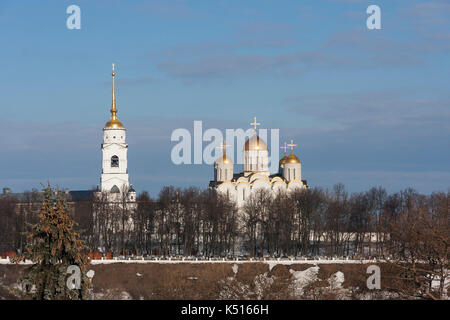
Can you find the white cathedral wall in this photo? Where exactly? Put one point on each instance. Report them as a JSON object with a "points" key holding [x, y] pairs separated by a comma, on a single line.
{"points": [[292, 171], [241, 190], [261, 183], [256, 161], [279, 186], [258, 175], [223, 172], [294, 184], [228, 188]]}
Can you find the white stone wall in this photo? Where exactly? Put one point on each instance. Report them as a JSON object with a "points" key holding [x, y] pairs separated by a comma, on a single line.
{"points": [[292, 171], [114, 144], [223, 171], [241, 189], [256, 161]]}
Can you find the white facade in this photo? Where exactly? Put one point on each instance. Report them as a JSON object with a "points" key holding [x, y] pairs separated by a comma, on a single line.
{"points": [[223, 169], [256, 156], [114, 161], [255, 173]]}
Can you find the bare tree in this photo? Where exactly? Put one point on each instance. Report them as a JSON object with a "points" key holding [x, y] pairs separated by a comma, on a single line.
{"points": [[418, 244]]}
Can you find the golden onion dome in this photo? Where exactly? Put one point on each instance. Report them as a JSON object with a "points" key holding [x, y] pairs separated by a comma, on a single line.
{"points": [[114, 124], [224, 159], [292, 159], [255, 143], [283, 160]]}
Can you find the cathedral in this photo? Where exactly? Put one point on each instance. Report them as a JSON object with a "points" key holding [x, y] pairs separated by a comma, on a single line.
{"points": [[255, 174]]}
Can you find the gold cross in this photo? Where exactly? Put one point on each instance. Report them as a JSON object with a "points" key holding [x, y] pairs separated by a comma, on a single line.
{"points": [[285, 147], [255, 124], [224, 146], [292, 145]]}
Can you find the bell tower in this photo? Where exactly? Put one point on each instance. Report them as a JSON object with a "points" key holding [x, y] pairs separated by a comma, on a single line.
{"points": [[114, 176]]}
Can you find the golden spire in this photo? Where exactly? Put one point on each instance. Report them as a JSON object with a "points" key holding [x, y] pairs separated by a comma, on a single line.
{"points": [[113, 107], [114, 123]]}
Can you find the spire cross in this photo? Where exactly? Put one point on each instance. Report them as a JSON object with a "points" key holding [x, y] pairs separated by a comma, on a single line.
{"points": [[255, 123], [292, 145], [224, 146], [285, 147]]}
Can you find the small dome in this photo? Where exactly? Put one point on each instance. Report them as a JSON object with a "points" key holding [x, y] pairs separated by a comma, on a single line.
{"points": [[283, 160], [255, 143], [224, 159], [114, 124], [292, 159]]}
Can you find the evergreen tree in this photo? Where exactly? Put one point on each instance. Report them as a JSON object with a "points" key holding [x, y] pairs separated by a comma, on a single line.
{"points": [[54, 245]]}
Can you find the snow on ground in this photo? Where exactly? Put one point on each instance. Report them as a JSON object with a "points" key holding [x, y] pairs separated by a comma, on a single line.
{"points": [[7, 261], [271, 263], [262, 283], [437, 282], [336, 280], [235, 268], [301, 279], [110, 294]]}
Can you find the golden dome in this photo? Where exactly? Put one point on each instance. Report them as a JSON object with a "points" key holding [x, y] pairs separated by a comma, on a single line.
{"points": [[224, 159], [283, 160], [292, 159], [255, 143], [114, 124]]}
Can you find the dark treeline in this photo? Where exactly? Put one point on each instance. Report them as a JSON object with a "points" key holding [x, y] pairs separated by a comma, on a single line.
{"points": [[194, 222]]}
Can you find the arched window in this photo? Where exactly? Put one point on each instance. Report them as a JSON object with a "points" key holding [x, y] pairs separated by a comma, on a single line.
{"points": [[115, 189], [114, 162]]}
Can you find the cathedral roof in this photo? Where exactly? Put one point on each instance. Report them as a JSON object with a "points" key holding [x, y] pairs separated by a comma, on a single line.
{"points": [[223, 159], [114, 124], [292, 159], [255, 143], [283, 160]]}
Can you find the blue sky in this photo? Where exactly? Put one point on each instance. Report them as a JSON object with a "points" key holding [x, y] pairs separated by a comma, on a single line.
{"points": [[366, 108]]}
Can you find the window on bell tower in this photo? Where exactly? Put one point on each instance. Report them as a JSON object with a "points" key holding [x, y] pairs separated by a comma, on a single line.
{"points": [[114, 162]]}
